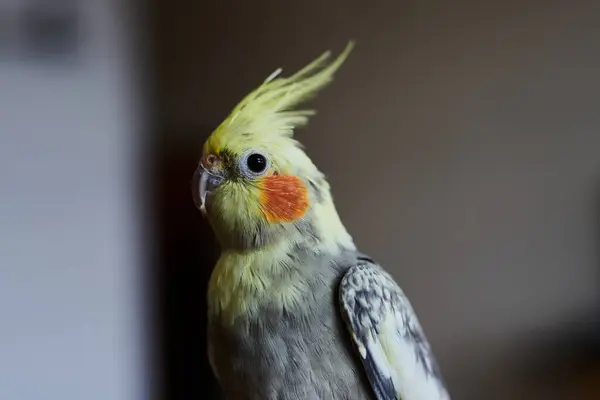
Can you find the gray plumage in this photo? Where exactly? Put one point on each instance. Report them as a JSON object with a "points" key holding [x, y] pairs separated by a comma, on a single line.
{"points": [[386, 331], [302, 353], [308, 352], [295, 312]]}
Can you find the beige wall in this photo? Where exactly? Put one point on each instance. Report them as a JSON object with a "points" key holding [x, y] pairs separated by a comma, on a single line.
{"points": [[462, 143]]}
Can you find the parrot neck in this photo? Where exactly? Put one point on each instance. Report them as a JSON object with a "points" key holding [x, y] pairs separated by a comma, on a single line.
{"points": [[246, 279]]}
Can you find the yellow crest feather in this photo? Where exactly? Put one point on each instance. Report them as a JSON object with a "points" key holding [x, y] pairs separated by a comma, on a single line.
{"points": [[267, 113]]}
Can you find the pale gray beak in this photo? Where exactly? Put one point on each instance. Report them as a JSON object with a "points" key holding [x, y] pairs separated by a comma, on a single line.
{"points": [[205, 183]]}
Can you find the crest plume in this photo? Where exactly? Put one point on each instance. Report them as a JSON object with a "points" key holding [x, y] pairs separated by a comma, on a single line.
{"points": [[268, 112]]}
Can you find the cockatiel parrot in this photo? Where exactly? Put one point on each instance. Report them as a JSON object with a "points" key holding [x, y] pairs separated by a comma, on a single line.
{"points": [[295, 311]]}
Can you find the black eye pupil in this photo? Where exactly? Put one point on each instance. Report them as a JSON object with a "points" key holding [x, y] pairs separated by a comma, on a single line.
{"points": [[256, 163]]}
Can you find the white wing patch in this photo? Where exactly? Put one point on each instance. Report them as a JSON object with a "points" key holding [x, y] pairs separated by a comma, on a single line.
{"points": [[389, 339]]}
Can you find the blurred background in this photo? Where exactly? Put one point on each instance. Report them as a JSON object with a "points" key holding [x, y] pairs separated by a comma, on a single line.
{"points": [[461, 141]]}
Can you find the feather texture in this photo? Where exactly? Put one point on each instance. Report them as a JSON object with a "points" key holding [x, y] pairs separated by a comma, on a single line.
{"points": [[384, 328], [267, 114]]}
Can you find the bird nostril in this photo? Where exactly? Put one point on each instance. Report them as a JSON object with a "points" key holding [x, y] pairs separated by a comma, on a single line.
{"points": [[211, 160]]}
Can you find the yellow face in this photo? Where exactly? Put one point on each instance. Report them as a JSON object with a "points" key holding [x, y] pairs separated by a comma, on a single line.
{"points": [[253, 181], [247, 194]]}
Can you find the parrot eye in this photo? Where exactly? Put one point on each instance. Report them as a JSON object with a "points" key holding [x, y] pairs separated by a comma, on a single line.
{"points": [[254, 163]]}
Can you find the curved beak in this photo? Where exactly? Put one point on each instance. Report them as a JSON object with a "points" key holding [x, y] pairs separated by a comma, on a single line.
{"points": [[204, 183]]}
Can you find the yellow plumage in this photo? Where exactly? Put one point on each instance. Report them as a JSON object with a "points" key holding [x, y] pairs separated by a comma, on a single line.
{"points": [[265, 120], [290, 278], [266, 114]]}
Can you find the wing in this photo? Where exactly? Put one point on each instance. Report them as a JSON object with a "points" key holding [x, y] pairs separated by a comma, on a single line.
{"points": [[393, 349]]}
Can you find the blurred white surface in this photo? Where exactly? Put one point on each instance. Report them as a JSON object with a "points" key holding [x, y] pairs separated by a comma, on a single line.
{"points": [[69, 276]]}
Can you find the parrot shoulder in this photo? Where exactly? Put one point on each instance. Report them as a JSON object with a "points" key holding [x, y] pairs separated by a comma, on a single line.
{"points": [[393, 349]]}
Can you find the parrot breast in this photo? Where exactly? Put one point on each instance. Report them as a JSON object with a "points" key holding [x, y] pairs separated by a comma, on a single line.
{"points": [[299, 352]]}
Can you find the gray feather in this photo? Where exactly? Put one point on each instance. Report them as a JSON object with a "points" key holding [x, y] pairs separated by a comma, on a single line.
{"points": [[303, 353], [381, 321]]}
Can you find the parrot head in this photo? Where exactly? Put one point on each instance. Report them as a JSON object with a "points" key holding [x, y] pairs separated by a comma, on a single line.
{"points": [[254, 182]]}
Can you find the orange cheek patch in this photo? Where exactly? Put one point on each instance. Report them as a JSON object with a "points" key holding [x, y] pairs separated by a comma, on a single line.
{"points": [[283, 198]]}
